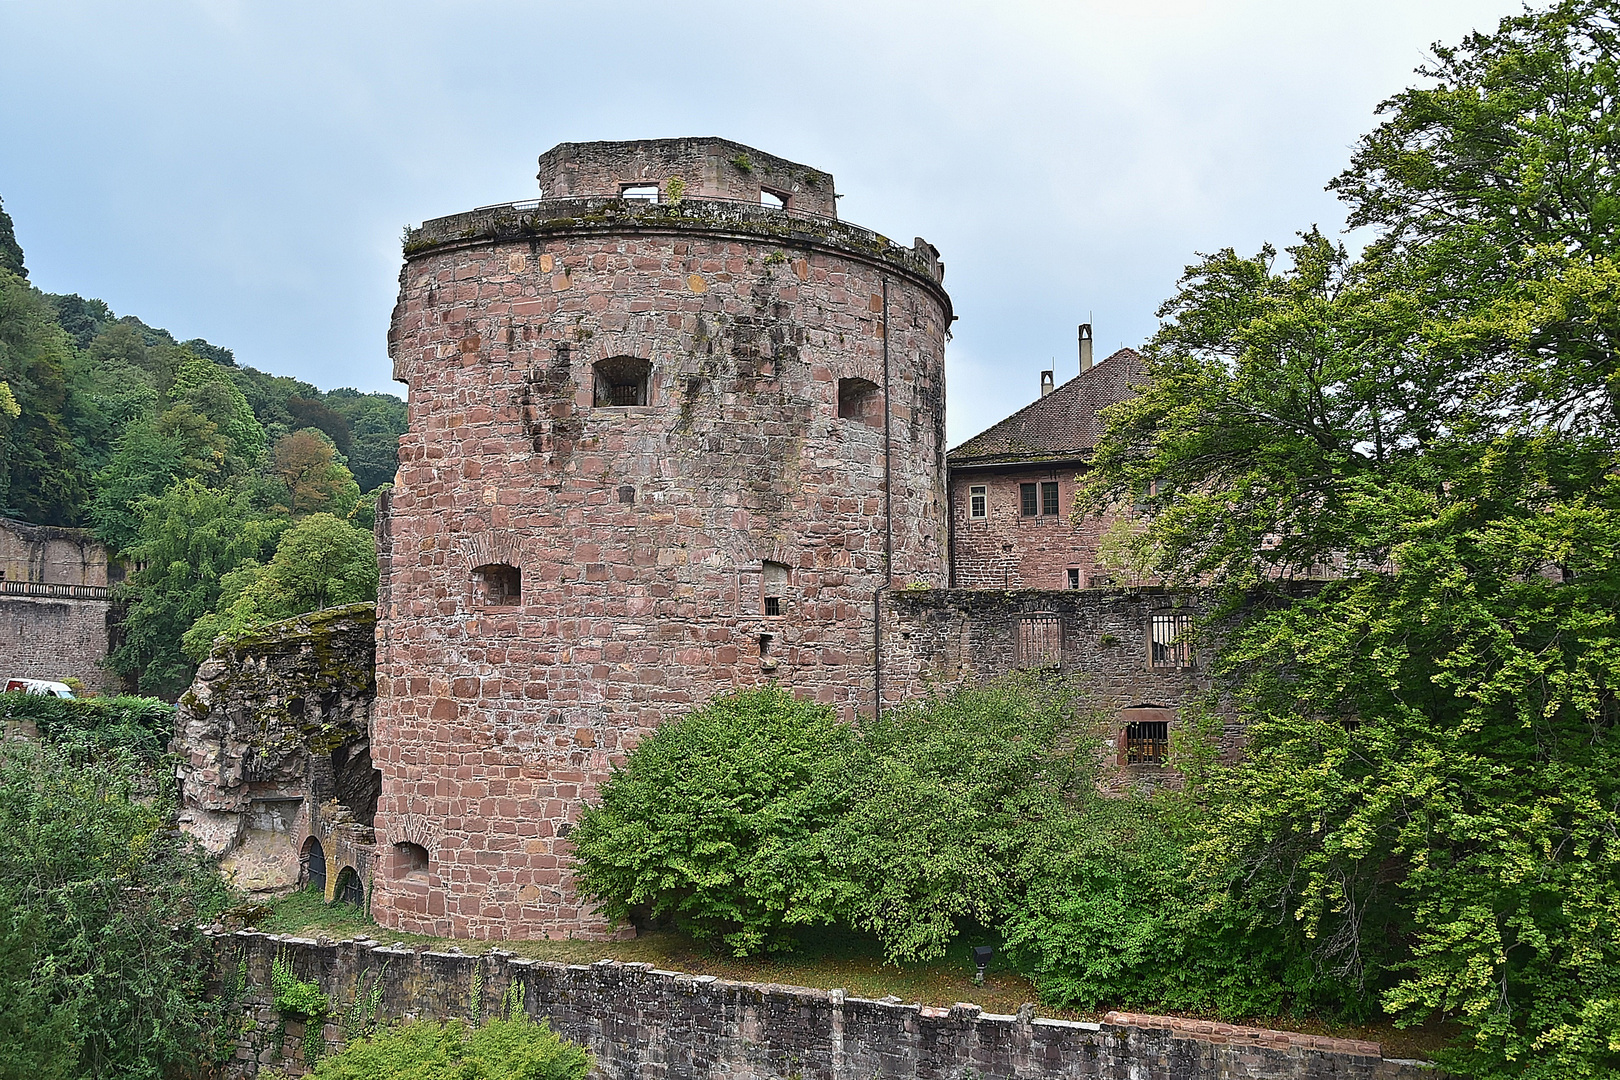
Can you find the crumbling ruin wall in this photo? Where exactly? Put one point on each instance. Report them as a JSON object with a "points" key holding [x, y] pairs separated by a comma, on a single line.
{"points": [[274, 741], [945, 637], [640, 1023]]}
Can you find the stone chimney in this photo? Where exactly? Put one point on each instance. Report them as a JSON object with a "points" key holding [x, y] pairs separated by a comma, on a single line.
{"points": [[1046, 383], [1085, 347]]}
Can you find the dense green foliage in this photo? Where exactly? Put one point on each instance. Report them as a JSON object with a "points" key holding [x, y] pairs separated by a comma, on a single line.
{"points": [[946, 797], [426, 1050], [759, 814], [1429, 810], [716, 821], [114, 425], [98, 895], [87, 728]]}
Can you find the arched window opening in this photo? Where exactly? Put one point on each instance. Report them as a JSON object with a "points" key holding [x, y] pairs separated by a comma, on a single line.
{"points": [[349, 890], [498, 585], [639, 192], [859, 399], [410, 861], [773, 587], [773, 200], [312, 866], [622, 380]]}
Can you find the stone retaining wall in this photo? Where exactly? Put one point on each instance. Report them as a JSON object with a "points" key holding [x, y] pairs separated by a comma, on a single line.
{"points": [[644, 1024]]}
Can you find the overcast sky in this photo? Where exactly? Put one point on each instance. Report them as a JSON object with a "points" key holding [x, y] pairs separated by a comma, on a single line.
{"points": [[241, 171]]}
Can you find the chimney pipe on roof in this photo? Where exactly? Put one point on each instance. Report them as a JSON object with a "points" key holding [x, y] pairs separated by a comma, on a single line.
{"points": [[1046, 383], [1085, 347]]}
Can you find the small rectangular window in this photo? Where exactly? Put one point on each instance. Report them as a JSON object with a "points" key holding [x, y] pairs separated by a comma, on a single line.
{"points": [[773, 585], [1168, 641], [1074, 577], [775, 200], [978, 501], [1029, 500], [1147, 742], [639, 192], [1049, 498]]}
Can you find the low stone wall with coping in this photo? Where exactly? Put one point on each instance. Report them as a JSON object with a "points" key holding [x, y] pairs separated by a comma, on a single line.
{"points": [[641, 1023]]}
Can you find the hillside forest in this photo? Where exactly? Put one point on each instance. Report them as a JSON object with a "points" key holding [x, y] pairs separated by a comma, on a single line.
{"points": [[234, 497]]}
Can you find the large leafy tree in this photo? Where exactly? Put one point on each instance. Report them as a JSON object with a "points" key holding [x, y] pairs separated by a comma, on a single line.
{"points": [[322, 561], [1431, 801], [189, 538], [43, 476]]}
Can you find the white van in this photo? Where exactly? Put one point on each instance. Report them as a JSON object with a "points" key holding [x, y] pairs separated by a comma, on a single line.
{"points": [[42, 687]]}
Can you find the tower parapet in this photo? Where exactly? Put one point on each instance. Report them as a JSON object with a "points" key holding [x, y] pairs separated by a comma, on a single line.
{"points": [[671, 169]]}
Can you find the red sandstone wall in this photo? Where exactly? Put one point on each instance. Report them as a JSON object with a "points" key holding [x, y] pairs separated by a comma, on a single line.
{"points": [[640, 531], [1005, 550]]}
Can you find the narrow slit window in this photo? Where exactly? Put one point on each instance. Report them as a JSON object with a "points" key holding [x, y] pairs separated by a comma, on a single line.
{"points": [[1074, 577], [1169, 644], [978, 501], [498, 585], [773, 585], [1049, 498], [860, 399], [1028, 500], [622, 380], [639, 192]]}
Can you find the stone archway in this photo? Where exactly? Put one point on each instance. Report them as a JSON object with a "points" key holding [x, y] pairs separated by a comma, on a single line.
{"points": [[312, 865], [349, 890]]}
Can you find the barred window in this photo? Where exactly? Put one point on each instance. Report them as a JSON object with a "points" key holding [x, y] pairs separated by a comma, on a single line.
{"points": [[773, 584], [1147, 742], [1170, 649]]}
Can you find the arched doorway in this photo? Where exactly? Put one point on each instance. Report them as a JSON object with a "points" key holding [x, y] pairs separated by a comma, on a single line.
{"points": [[349, 890], [312, 865]]}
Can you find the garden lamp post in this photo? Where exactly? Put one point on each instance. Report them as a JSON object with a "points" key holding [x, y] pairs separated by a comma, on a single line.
{"points": [[981, 960]]}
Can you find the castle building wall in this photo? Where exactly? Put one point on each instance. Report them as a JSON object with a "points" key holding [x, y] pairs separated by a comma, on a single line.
{"points": [[55, 637], [1007, 549], [55, 611], [47, 554], [561, 572], [935, 638]]}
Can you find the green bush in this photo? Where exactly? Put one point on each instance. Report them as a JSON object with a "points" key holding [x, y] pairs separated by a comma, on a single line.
{"points": [[946, 794], [99, 898], [87, 727], [425, 1050], [716, 820]]}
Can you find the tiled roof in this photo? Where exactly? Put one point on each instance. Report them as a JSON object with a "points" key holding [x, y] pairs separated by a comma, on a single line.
{"points": [[1062, 424]]}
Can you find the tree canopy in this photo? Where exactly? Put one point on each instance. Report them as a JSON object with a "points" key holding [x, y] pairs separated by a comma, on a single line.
{"points": [[1426, 431]]}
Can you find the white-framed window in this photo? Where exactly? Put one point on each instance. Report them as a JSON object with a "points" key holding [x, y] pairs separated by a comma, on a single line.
{"points": [[1074, 577], [978, 501]]}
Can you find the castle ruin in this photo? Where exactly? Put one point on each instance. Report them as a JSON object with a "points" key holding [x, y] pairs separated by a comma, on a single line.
{"points": [[674, 429]]}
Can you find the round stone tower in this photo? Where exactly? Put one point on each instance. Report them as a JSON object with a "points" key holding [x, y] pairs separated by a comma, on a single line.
{"points": [[674, 429]]}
